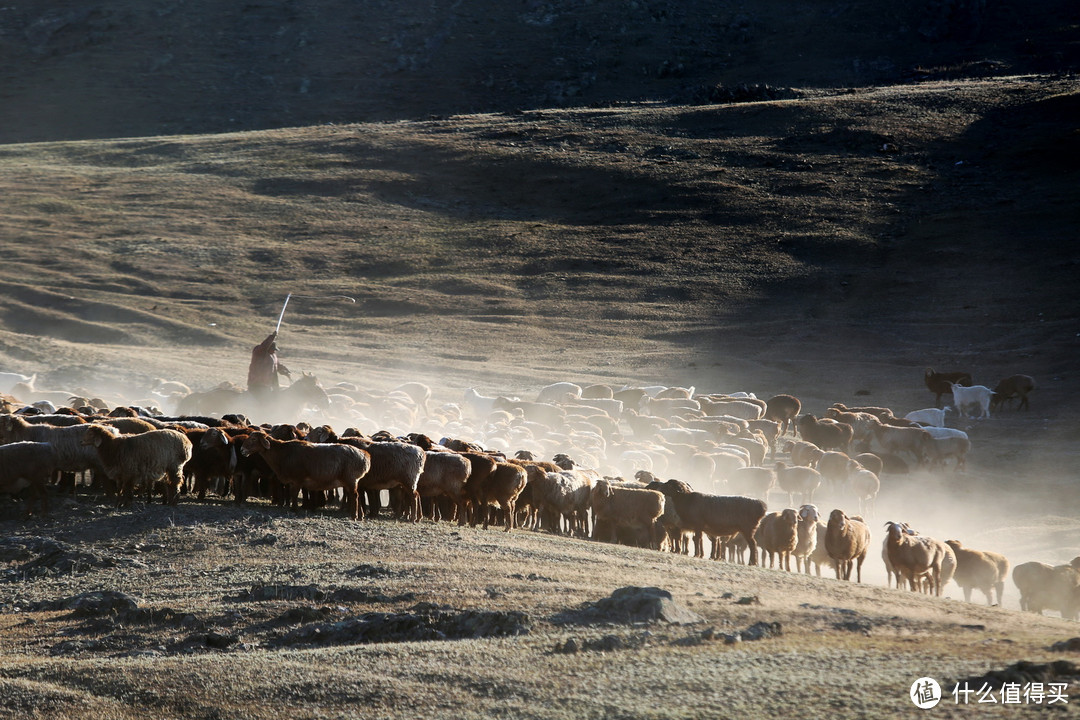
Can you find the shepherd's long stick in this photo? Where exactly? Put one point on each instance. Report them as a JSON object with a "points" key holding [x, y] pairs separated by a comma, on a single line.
{"points": [[311, 297]]}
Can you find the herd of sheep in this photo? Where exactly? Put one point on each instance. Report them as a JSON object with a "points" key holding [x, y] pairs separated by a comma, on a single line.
{"points": [[608, 446]]}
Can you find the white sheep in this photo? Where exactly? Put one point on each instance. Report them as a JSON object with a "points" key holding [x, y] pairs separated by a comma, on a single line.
{"points": [[141, 460], [559, 392], [933, 417], [8, 380]]}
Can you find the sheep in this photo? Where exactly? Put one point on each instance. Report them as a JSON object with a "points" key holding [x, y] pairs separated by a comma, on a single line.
{"points": [[965, 398], [864, 485], [912, 557], [870, 461], [212, 456], [934, 417], [940, 383], [419, 393], [904, 439], [141, 460], [835, 466], [312, 466], [644, 427], [803, 453], [444, 475], [783, 409], [979, 569], [947, 443], [885, 415], [778, 536], [797, 479], [8, 381], [504, 486], [820, 554], [752, 481], [743, 409], [1043, 587], [667, 407], [480, 405], [563, 495], [716, 515], [806, 538], [847, 540], [549, 415], [769, 429], [863, 424], [616, 506], [597, 392], [28, 466], [1010, 388], [559, 392], [1030, 578], [826, 434], [610, 407]]}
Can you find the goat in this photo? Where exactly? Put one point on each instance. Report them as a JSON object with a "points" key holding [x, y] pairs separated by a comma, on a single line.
{"points": [[941, 383], [1012, 387]]}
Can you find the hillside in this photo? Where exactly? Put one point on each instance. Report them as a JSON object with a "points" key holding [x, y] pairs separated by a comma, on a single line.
{"points": [[73, 70]]}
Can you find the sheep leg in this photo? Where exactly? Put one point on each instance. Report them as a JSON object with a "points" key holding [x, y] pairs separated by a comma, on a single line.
{"points": [[967, 594], [751, 545]]}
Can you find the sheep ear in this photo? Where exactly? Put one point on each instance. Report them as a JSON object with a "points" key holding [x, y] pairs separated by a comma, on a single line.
{"points": [[265, 442]]}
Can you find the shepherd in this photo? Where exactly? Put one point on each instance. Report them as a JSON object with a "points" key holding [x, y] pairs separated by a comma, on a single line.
{"points": [[264, 368]]}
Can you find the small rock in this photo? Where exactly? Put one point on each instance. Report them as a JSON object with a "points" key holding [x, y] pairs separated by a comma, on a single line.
{"points": [[748, 600]]}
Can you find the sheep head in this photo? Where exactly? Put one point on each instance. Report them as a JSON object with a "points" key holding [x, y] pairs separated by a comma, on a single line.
{"points": [[256, 442]]}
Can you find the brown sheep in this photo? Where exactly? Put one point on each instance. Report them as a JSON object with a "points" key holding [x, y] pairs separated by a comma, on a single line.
{"points": [[616, 506], [141, 460], [797, 480], [716, 515], [863, 424], [504, 486], [807, 538], [445, 475], [1012, 387], [941, 383], [913, 556], [312, 466], [835, 466], [783, 409], [979, 569], [1050, 588], [870, 461], [883, 414], [212, 456], [1030, 578], [778, 536], [826, 434], [803, 453], [28, 466], [847, 541]]}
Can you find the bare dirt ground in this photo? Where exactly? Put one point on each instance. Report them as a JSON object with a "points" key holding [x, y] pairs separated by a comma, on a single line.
{"points": [[831, 246]]}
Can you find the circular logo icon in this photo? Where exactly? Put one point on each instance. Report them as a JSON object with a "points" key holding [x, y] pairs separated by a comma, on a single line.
{"points": [[925, 693]]}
